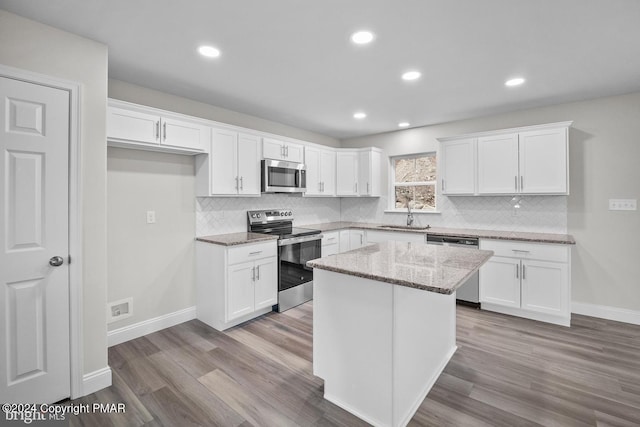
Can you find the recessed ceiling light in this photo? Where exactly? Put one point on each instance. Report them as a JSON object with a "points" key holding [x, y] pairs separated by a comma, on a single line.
{"points": [[362, 37], [403, 124], [359, 115], [209, 51], [517, 81], [411, 75]]}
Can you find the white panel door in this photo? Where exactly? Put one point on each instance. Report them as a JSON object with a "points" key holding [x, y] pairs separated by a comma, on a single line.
{"points": [[272, 149], [356, 239], [545, 287], [133, 126], [266, 283], [328, 172], [34, 228], [459, 165], [240, 300], [224, 161], [294, 153], [498, 164], [184, 134], [543, 161], [347, 174], [364, 173], [500, 282], [314, 180], [249, 164]]}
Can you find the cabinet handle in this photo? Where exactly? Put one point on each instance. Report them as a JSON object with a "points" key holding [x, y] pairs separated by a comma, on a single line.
{"points": [[356, 187], [442, 184], [361, 239], [521, 183], [518, 271], [157, 129], [523, 272], [255, 253], [330, 239], [258, 272], [253, 274], [241, 184], [367, 188], [286, 151], [237, 186], [282, 150], [520, 250], [516, 182], [323, 186], [164, 131]]}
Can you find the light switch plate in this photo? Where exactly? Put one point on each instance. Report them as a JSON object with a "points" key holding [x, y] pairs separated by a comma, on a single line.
{"points": [[623, 204]]}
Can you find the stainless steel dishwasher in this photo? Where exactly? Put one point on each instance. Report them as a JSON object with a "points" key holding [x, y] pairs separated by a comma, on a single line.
{"points": [[469, 293]]}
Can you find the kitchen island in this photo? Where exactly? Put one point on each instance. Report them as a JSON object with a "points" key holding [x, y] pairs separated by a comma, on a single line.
{"points": [[384, 324]]}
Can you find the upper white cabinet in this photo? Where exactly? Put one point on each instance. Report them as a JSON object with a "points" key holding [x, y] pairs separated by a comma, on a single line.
{"points": [[528, 160], [281, 150], [358, 172], [458, 160], [145, 128], [321, 171], [232, 167]]}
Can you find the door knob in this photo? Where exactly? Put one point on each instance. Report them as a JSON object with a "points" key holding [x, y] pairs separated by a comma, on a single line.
{"points": [[56, 261]]}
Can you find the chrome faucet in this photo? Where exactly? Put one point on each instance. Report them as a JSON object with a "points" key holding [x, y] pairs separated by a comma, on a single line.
{"points": [[409, 214]]}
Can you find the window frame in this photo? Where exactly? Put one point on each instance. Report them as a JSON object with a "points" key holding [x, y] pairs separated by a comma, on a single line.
{"points": [[391, 207]]}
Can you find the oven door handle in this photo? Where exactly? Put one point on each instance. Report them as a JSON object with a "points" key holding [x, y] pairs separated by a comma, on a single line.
{"points": [[301, 239]]}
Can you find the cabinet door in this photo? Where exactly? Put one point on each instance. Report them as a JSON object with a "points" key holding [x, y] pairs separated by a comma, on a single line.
{"points": [[294, 153], [240, 290], [249, 164], [356, 239], [224, 161], [183, 134], [364, 173], [314, 182], [347, 174], [498, 164], [500, 282], [344, 240], [272, 149], [543, 161], [459, 166], [330, 243], [328, 172], [375, 174], [545, 287], [266, 283], [133, 126]]}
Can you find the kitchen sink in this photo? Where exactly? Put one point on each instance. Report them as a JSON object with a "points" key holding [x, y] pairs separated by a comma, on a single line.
{"points": [[406, 227]]}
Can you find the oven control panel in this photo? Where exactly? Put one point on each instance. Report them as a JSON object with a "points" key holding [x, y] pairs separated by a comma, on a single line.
{"points": [[269, 215]]}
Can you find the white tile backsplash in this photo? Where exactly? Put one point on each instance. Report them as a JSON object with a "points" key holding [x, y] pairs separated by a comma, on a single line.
{"points": [[544, 214]]}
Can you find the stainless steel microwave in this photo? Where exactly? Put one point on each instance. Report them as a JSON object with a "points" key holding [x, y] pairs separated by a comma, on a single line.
{"points": [[283, 177]]}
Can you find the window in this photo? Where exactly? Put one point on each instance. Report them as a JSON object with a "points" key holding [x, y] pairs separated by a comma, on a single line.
{"points": [[414, 180]]}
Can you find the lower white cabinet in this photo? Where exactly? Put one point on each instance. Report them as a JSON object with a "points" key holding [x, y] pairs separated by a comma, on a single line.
{"points": [[531, 280], [351, 239], [235, 283], [330, 243]]}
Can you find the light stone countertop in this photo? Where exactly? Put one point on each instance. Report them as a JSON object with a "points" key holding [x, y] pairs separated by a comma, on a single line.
{"points": [[434, 268], [233, 239], [565, 239]]}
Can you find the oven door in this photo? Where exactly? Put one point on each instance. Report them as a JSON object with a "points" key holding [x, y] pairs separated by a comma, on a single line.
{"points": [[283, 177], [292, 260]]}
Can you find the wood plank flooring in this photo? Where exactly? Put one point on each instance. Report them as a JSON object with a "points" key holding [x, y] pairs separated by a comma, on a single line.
{"points": [[507, 372]]}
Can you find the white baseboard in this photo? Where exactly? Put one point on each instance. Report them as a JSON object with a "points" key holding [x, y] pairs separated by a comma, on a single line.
{"points": [[126, 333], [606, 312], [96, 380]]}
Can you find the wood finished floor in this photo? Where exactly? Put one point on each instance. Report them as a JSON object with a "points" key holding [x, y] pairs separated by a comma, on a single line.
{"points": [[507, 372]]}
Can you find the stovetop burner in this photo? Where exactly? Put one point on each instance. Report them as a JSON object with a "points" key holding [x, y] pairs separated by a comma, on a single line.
{"points": [[278, 222]]}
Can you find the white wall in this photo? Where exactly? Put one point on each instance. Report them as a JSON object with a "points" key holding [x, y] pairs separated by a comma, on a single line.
{"points": [[42, 49], [604, 150]]}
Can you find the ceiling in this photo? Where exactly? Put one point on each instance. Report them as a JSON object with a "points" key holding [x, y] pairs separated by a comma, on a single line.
{"points": [[291, 61]]}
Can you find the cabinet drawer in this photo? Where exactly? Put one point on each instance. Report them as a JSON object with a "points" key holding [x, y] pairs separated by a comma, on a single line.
{"points": [[250, 252], [330, 238], [527, 250]]}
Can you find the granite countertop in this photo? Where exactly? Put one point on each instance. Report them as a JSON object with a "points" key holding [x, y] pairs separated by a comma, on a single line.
{"points": [[232, 239], [565, 239], [434, 268]]}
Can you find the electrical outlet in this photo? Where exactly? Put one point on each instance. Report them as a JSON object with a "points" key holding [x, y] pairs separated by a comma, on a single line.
{"points": [[623, 204], [151, 217], [118, 310]]}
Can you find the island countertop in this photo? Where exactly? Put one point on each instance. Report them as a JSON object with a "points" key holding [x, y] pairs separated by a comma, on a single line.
{"points": [[433, 268]]}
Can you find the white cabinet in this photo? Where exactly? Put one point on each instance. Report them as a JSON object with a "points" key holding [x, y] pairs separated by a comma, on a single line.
{"points": [[351, 239], [321, 171], [531, 280], [458, 163], [145, 128], [281, 150], [235, 283], [330, 243], [358, 172], [232, 166], [528, 162]]}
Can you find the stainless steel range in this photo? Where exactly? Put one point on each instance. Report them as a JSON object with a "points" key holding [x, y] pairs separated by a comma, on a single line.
{"points": [[296, 246]]}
